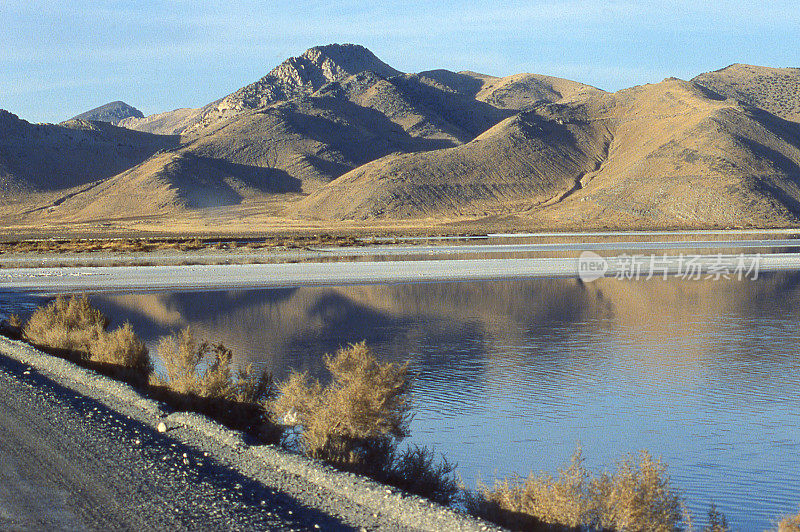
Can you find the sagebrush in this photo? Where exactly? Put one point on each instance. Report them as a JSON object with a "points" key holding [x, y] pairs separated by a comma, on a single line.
{"points": [[72, 324], [199, 376], [790, 523], [347, 422], [356, 421], [637, 496]]}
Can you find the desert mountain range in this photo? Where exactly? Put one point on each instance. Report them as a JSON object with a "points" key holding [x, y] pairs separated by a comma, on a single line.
{"points": [[338, 138]]}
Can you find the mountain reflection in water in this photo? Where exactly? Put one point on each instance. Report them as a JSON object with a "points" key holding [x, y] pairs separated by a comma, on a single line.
{"points": [[512, 375]]}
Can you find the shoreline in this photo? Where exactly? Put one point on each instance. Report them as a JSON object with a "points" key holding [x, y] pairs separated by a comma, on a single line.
{"points": [[52, 280]]}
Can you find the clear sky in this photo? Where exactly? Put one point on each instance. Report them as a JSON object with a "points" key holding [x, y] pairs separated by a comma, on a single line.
{"points": [[59, 58]]}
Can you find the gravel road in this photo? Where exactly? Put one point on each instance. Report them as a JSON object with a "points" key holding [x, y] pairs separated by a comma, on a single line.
{"points": [[81, 452]]}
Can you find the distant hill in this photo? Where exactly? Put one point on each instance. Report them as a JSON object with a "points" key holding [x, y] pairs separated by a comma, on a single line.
{"points": [[48, 157], [337, 136], [113, 113]]}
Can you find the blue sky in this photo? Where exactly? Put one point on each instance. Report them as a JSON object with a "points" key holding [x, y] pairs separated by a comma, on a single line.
{"points": [[60, 58]]}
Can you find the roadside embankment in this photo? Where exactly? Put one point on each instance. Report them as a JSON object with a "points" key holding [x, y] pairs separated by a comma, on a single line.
{"points": [[92, 443]]}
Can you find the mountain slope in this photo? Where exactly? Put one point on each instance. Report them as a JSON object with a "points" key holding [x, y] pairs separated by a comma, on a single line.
{"points": [[300, 145], [337, 135], [665, 154], [295, 77], [528, 159], [776, 90], [519, 92], [46, 157], [168, 123], [112, 113]]}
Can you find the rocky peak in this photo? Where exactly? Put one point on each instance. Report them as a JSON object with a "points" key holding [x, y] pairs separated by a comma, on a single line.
{"points": [[113, 113], [305, 74]]}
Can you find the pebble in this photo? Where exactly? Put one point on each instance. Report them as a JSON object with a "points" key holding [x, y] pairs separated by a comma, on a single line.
{"points": [[161, 427]]}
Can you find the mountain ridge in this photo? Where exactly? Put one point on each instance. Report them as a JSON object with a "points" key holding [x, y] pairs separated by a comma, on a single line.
{"points": [[335, 135]]}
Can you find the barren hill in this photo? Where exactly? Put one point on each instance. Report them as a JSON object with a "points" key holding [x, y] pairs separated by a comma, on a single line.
{"points": [[46, 157], [528, 159], [298, 76], [112, 113], [519, 92], [776, 90], [672, 153], [168, 123]]}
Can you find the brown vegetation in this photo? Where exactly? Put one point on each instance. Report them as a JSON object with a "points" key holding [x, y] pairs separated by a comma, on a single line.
{"points": [[199, 378], [356, 421], [14, 320], [365, 406], [637, 496], [128, 245], [790, 523], [73, 325]]}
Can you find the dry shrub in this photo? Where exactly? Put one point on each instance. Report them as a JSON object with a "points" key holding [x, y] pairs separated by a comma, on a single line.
{"points": [[415, 470], [636, 497], [11, 327], [121, 346], [199, 377], [366, 403], [717, 521], [356, 421], [790, 523], [73, 325]]}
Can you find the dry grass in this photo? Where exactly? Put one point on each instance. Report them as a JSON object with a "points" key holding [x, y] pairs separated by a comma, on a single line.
{"points": [[139, 245], [199, 377], [356, 421], [637, 496], [790, 523], [73, 325]]}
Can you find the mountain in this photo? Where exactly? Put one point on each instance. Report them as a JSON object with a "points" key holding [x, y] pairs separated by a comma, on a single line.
{"points": [[296, 77], [168, 123], [51, 158], [669, 154], [335, 137], [112, 113], [776, 90]]}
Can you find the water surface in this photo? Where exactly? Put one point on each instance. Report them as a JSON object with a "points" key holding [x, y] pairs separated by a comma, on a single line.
{"points": [[513, 375]]}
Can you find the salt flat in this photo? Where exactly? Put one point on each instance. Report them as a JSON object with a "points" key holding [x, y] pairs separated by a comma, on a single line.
{"points": [[229, 276]]}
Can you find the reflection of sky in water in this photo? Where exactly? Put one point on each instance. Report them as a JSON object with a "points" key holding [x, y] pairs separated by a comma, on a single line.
{"points": [[514, 374]]}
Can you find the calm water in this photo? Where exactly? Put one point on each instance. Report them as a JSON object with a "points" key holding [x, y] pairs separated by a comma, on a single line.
{"points": [[512, 375]]}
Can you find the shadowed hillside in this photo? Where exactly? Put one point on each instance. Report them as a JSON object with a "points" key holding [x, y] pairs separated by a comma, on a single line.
{"points": [[46, 157], [656, 155]]}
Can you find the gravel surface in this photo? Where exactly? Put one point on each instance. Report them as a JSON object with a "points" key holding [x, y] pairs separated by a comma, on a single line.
{"points": [[82, 452]]}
